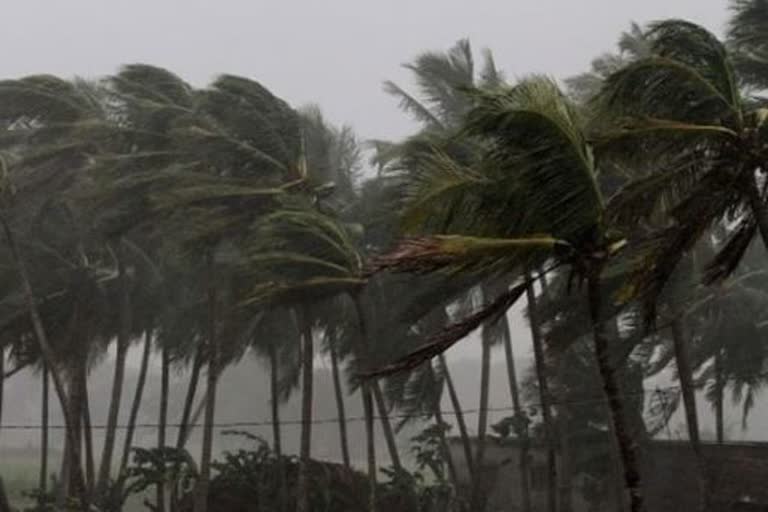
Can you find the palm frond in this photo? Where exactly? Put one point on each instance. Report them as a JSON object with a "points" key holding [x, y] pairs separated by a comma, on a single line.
{"points": [[538, 141], [455, 253], [412, 105], [731, 254], [699, 50], [445, 339], [663, 88]]}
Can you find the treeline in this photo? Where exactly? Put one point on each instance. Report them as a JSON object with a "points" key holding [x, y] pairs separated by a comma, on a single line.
{"points": [[207, 223]]}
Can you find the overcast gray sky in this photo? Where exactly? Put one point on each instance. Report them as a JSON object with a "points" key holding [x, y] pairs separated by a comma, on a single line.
{"points": [[332, 52]]}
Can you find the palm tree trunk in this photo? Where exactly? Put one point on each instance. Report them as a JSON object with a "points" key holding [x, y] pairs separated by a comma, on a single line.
{"points": [[719, 392], [522, 431], [90, 463], [444, 448], [274, 374], [478, 493], [386, 425], [338, 392], [370, 444], [627, 447], [43, 479], [184, 427], [466, 442], [365, 346], [189, 400], [2, 384], [367, 389], [682, 360], [41, 336], [307, 375], [544, 396], [123, 341], [196, 417], [203, 483], [277, 444], [137, 397], [72, 477], [165, 365]]}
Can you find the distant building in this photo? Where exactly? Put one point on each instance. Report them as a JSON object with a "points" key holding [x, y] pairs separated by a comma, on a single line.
{"points": [[737, 476]]}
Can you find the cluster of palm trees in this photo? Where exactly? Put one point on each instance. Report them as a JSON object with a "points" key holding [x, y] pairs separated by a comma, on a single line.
{"points": [[624, 202], [208, 223]]}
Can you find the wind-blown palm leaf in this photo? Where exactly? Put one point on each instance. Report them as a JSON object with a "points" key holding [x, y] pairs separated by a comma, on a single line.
{"points": [[445, 339], [455, 253], [296, 251], [537, 140], [411, 105], [748, 40]]}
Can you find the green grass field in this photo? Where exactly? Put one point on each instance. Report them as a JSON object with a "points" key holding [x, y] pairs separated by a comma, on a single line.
{"points": [[20, 475]]}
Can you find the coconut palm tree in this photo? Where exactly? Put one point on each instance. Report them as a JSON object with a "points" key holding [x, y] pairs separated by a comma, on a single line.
{"points": [[218, 158], [440, 107], [516, 184], [682, 107], [300, 257], [50, 126]]}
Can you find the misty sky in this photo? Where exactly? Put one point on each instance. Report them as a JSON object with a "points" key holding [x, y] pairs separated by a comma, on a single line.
{"points": [[332, 52]]}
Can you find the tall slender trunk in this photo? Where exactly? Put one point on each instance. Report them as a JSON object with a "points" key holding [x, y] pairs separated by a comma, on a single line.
{"points": [[2, 385], [137, 396], [41, 336], [478, 492], [627, 446], [274, 374], [123, 335], [277, 444], [339, 394], [544, 396], [203, 483], [184, 423], [368, 390], [189, 400], [565, 470], [386, 425], [165, 365], [90, 462], [685, 374], [719, 392], [522, 430], [196, 416], [370, 445], [365, 348], [307, 374], [466, 442], [44, 414], [444, 448], [72, 476]]}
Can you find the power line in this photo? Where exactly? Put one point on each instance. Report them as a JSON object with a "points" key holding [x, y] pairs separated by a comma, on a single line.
{"points": [[329, 421], [354, 419]]}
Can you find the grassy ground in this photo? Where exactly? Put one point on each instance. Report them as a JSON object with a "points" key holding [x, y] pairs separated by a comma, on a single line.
{"points": [[20, 475], [20, 472]]}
